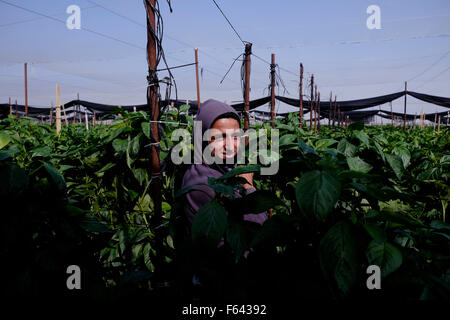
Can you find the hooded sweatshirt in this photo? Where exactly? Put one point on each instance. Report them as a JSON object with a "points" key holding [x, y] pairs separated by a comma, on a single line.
{"points": [[200, 195]]}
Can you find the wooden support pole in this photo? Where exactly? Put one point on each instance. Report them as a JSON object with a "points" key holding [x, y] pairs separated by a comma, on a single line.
{"points": [[86, 120], [439, 123], [74, 114], [404, 113], [26, 90], [339, 116], [58, 109], [311, 107], [153, 106], [329, 110], [247, 54], [334, 112], [134, 109], [272, 91], [17, 115], [79, 107], [392, 114], [51, 114], [93, 119], [422, 119], [315, 109], [10, 107], [301, 96], [198, 82], [435, 120], [318, 111]]}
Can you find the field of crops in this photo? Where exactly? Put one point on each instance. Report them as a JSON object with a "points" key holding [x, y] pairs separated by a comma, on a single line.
{"points": [[343, 199]]}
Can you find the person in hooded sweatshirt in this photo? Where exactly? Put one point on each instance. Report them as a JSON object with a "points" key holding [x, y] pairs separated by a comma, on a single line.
{"points": [[224, 119], [226, 122]]}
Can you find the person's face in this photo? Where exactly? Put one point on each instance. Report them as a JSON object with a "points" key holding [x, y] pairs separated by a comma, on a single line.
{"points": [[225, 138]]}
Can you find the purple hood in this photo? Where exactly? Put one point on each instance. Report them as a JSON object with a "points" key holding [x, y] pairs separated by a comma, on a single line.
{"points": [[198, 196]]}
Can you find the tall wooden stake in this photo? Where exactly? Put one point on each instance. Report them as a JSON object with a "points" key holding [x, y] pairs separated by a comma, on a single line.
{"points": [[329, 110], [334, 112], [435, 120], [318, 111], [392, 114], [198, 82], [86, 120], [153, 105], [10, 107], [79, 107], [339, 116], [311, 107], [248, 52], [315, 109], [58, 109], [272, 91], [422, 119], [51, 114], [301, 96], [26, 91], [404, 113]]}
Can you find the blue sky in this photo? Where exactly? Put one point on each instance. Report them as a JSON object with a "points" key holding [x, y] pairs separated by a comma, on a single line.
{"points": [[329, 37]]}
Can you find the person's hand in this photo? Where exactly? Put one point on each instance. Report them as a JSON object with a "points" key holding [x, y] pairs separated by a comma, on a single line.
{"points": [[249, 178]]}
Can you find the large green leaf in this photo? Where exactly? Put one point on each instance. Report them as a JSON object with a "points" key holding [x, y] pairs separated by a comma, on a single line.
{"points": [[236, 237], [288, 139], [346, 148], [240, 170], [306, 148], [376, 232], [396, 164], [42, 151], [147, 259], [146, 129], [338, 256], [324, 143], [363, 137], [4, 140], [140, 175], [260, 201], [404, 155], [55, 176], [317, 192], [106, 168], [135, 145], [384, 255], [120, 145], [379, 150], [359, 165], [210, 223]]}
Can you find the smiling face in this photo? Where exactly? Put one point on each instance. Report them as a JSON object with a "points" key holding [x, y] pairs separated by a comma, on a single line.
{"points": [[225, 138]]}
